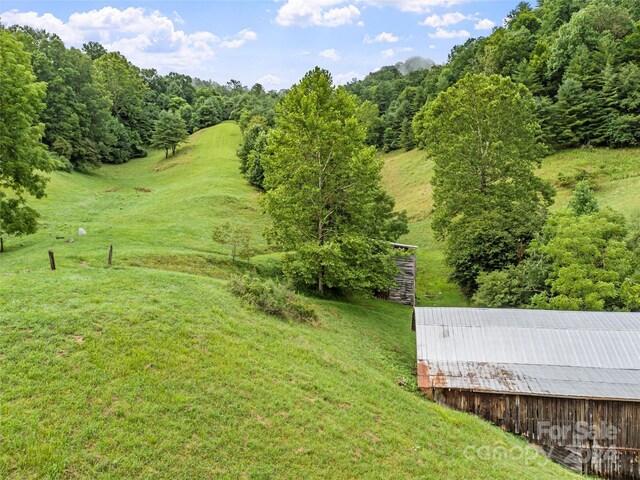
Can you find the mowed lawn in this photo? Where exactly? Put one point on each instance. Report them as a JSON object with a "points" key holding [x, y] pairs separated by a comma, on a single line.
{"points": [[151, 369], [407, 176]]}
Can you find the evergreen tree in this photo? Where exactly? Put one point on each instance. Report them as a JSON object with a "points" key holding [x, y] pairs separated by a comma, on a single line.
{"points": [[583, 201], [569, 114]]}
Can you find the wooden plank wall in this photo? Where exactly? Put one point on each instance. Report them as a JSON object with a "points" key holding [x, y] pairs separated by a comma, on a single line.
{"points": [[405, 290], [597, 437]]}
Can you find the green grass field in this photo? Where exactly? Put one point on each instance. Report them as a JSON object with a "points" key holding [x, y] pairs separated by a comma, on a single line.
{"points": [[151, 369], [614, 173]]}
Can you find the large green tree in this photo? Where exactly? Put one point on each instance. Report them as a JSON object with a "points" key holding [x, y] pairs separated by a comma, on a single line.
{"points": [[127, 91], [584, 259], [488, 203], [324, 194], [169, 132], [592, 265], [77, 110], [22, 156]]}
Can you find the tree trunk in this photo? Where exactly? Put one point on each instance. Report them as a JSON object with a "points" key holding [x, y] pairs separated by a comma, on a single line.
{"points": [[320, 238], [320, 242], [166, 153]]}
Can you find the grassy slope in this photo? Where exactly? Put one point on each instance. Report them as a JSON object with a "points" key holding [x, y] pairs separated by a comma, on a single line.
{"points": [[407, 176], [151, 369]]}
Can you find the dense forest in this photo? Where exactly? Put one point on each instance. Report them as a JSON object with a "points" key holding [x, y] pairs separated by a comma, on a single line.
{"points": [[100, 108], [580, 59]]}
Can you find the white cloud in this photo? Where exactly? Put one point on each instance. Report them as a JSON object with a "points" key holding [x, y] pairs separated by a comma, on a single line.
{"points": [[381, 37], [334, 13], [325, 13], [47, 21], [411, 6], [360, 23], [442, 33], [239, 39], [392, 52], [444, 20], [388, 53], [146, 37], [342, 78], [484, 24], [331, 54], [177, 18], [340, 16], [270, 80]]}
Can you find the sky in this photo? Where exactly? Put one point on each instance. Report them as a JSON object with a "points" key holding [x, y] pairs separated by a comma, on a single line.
{"points": [[269, 42]]}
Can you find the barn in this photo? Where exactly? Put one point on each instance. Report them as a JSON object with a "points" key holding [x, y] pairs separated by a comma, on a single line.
{"points": [[568, 382]]}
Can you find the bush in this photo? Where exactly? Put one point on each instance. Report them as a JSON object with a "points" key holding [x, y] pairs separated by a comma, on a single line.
{"points": [[274, 298], [582, 175]]}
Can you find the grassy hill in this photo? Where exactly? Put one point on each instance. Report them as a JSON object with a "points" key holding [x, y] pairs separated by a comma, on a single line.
{"points": [[151, 369], [407, 175]]}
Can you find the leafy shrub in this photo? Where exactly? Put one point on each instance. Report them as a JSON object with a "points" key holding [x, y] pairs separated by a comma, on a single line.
{"points": [[235, 237], [570, 181], [274, 298], [583, 201]]}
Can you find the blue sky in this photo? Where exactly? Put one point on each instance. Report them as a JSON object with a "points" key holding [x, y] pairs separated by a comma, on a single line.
{"points": [[271, 42]]}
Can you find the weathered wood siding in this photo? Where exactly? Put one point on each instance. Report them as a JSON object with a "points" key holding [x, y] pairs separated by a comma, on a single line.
{"points": [[405, 290], [597, 437]]}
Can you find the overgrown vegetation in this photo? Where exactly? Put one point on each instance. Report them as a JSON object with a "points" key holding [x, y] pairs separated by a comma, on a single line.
{"points": [[584, 259], [615, 173], [274, 298]]}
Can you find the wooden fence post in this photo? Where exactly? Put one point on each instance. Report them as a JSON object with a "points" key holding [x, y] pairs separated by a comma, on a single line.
{"points": [[52, 260], [1, 245], [110, 261]]}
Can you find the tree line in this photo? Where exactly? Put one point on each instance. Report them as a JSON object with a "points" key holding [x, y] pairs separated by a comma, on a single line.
{"points": [[579, 58], [101, 108]]}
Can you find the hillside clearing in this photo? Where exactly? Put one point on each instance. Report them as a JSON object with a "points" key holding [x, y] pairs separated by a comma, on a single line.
{"points": [[151, 369]]}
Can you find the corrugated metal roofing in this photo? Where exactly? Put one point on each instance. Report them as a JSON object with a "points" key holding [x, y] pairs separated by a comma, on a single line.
{"points": [[534, 352]]}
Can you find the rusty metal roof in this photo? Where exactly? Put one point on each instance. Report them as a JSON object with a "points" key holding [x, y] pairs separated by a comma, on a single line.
{"points": [[533, 352]]}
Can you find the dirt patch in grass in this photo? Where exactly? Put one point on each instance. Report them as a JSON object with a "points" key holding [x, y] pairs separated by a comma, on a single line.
{"points": [[111, 190], [142, 189]]}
